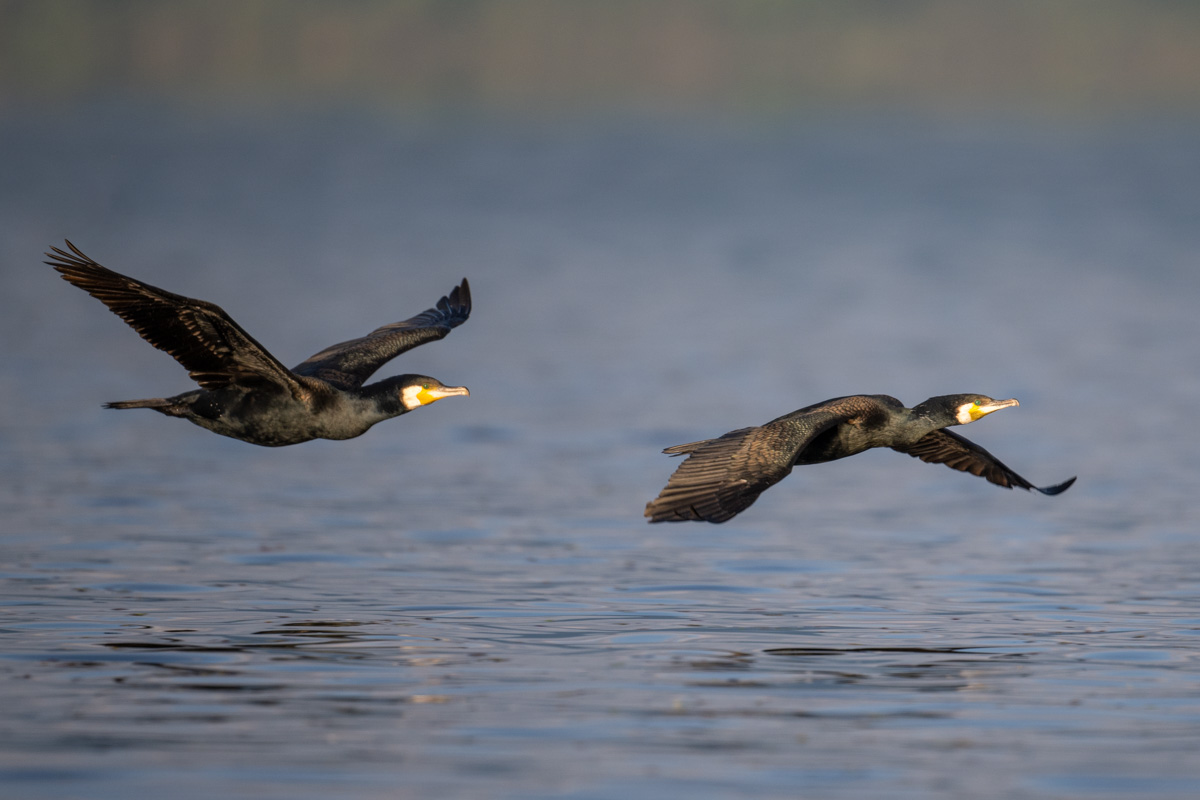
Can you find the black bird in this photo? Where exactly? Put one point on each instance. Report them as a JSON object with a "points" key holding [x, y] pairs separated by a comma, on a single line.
{"points": [[245, 392], [722, 477]]}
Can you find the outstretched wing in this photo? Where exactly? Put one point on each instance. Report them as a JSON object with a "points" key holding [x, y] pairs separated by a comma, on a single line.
{"points": [[212, 347], [723, 477], [945, 447], [348, 364]]}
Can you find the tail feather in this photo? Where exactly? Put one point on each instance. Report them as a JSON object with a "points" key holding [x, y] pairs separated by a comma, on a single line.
{"points": [[690, 447], [160, 403], [680, 449]]}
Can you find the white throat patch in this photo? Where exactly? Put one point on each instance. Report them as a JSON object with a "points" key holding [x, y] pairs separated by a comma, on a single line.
{"points": [[408, 397], [963, 415]]}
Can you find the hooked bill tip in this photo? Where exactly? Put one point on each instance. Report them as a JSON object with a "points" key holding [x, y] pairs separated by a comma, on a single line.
{"points": [[449, 391], [996, 405]]}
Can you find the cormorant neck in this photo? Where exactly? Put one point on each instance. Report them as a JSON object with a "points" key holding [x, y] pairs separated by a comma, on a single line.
{"points": [[384, 397], [923, 420]]}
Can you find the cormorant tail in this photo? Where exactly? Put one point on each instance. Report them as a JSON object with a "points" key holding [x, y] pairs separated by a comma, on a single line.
{"points": [[159, 403]]}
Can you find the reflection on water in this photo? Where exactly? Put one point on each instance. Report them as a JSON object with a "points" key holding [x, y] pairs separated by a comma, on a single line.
{"points": [[466, 601]]}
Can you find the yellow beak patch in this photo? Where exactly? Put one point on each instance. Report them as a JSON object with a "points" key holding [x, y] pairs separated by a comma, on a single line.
{"points": [[427, 396], [978, 410]]}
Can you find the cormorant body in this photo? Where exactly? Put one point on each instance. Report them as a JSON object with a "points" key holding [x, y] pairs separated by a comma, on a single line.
{"points": [[722, 477], [245, 392]]}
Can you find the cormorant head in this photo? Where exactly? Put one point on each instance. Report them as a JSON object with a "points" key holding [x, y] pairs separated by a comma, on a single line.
{"points": [[959, 409], [421, 390]]}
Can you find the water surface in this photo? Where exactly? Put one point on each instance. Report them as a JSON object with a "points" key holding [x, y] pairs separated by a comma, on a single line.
{"points": [[466, 602]]}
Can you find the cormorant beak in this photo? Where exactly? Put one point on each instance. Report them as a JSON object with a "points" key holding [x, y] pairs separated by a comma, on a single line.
{"points": [[987, 408], [427, 396]]}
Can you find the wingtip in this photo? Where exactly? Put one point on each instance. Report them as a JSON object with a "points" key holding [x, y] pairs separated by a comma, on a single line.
{"points": [[667, 509], [1058, 488], [56, 253], [61, 258], [653, 517], [458, 301], [654, 513]]}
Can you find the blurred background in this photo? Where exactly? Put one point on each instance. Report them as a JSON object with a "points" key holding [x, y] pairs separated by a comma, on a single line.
{"points": [[750, 57], [800, 199]]}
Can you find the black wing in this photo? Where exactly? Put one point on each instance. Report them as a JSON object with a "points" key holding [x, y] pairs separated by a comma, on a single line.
{"points": [[212, 347], [348, 364], [723, 477], [945, 447]]}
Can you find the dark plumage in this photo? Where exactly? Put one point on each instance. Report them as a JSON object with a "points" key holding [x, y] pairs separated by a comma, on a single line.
{"points": [[245, 392], [722, 477]]}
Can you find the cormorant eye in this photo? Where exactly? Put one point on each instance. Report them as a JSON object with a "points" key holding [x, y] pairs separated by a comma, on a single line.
{"points": [[425, 386]]}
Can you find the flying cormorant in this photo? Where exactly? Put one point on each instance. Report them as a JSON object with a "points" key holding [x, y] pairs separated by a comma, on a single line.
{"points": [[245, 392], [722, 477]]}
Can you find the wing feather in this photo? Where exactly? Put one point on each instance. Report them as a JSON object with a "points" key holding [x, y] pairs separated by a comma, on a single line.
{"points": [[348, 364], [722, 477], [214, 349], [957, 452]]}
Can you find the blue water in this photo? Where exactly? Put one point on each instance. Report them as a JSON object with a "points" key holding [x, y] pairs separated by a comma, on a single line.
{"points": [[466, 601]]}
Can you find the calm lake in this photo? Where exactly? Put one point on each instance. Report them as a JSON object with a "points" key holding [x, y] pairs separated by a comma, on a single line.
{"points": [[466, 602]]}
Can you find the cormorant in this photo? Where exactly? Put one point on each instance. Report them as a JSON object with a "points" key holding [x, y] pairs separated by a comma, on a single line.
{"points": [[722, 477], [246, 393]]}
